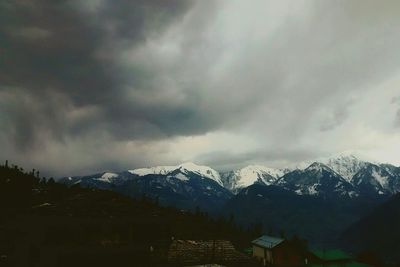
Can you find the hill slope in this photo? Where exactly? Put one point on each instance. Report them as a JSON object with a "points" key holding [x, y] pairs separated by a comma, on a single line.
{"points": [[315, 218], [378, 231], [44, 223]]}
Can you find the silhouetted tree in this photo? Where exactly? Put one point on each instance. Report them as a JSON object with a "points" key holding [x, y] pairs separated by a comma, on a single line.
{"points": [[301, 244], [197, 211], [270, 232], [51, 181], [370, 258], [282, 233]]}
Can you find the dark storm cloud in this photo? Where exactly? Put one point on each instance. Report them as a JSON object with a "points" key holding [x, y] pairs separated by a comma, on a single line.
{"points": [[51, 66], [93, 84]]}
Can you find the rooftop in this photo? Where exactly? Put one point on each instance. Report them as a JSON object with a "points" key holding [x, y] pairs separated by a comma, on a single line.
{"points": [[267, 241], [204, 251]]}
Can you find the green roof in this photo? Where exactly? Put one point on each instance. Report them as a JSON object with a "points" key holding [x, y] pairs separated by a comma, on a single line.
{"points": [[331, 254], [347, 264]]}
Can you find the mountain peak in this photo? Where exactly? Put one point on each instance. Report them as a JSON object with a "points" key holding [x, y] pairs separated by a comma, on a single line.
{"points": [[251, 174], [345, 164], [317, 166], [201, 170]]}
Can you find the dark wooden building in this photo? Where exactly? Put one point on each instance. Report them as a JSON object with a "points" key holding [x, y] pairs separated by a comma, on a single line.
{"points": [[273, 251]]}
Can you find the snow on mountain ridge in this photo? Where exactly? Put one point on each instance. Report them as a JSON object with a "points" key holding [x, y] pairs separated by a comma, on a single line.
{"points": [[251, 174], [204, 171], [346, 165], [186, 167], [163, 170]]}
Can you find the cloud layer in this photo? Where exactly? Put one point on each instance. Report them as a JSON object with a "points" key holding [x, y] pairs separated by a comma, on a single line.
{"points": [[92, 85]]}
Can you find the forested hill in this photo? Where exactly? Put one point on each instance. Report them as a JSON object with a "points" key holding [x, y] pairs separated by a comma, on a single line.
{"points": [[42, 219]]}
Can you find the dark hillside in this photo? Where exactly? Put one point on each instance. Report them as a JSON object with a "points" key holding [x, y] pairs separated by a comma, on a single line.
{"points": [[379, 231], [317, 219], [44, 223]]}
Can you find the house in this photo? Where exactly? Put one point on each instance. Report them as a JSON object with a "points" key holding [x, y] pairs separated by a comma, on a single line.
{"points": [[278, 252], [332, 258], [201, 252]]}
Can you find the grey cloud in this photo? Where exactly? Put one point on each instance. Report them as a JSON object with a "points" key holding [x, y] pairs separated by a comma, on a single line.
{"points": [[339, 116], [50, 51], [80, 74], [397, 119], [396, 100], [283, 157]]}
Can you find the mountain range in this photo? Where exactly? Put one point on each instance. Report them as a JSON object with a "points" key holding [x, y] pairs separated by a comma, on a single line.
{"points": [[185, 186], [317, 200], [342, 175]]}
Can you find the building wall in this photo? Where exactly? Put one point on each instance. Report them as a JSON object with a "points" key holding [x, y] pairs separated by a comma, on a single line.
{"points": [[263, 254], [258, 252], [287, 255]]}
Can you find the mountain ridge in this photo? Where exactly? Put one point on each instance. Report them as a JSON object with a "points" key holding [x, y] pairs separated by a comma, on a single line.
{"points": [[339, 175]]}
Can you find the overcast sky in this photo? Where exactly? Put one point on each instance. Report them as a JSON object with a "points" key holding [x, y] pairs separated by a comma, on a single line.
{"points": [[93, 85]]}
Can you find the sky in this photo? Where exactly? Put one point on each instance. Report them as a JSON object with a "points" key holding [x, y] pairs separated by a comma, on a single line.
{"points": [[95, 85]]}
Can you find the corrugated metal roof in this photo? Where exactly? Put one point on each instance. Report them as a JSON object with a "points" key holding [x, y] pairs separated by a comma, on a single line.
{"points": [[204, 251], [267, 241]]}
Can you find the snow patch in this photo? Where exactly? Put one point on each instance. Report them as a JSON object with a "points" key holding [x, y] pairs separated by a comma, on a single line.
{"points": [[313, 190], [382, 180], [107, 176], [181, 177]]}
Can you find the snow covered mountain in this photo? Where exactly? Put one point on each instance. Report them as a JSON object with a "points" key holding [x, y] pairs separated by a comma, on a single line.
{"points": [[345, 165], [377, 179], [366, 177], [317, 179], [185, 168], [340, 175], [184, 186], [236, 180]]}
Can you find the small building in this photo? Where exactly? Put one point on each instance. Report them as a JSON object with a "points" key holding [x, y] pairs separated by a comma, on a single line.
{"points": [[273, 251]]}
